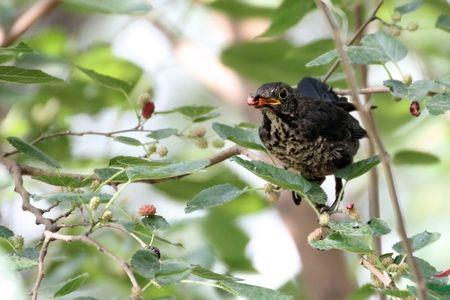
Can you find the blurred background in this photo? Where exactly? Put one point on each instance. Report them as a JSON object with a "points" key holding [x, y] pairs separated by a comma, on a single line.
{"points": [[212, 53]]}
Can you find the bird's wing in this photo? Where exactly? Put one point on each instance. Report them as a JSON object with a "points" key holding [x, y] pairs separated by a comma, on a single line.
{"points": [[321, 118]]}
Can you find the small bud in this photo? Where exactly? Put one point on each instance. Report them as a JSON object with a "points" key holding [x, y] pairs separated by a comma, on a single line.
{"points": [[396, 17], [144, 98], [376, 282], [273, 196], [162, 151], [94, 203], [403, 268], [412, 26], [197, 132], [17, 241], [392, 268], [352, 213], [152, 148], [350, 206], [408, 79], [387, 261], [218, 143], [395, 31], [324, 219], [147, 210], [318, 234], [155, 251], [414, 108], [147, 109], [201, 142], [107, 216]]}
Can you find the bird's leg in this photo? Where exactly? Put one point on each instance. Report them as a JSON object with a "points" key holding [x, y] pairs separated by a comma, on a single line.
{"points": [[338, 192], [296, 198]]}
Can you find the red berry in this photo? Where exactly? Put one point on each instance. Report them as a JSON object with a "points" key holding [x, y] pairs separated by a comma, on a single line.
{"points": [[350, 206], [147, 210], [414, 108], [252, 101], [147, 109], [443, 274]]}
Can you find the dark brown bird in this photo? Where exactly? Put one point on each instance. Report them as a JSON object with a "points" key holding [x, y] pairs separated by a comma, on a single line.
{"points": [[309, 129]]}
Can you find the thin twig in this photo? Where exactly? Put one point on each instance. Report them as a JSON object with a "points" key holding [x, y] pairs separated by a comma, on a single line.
{"points": [[41, 267], [364, 91], [135, 291], [375, 137], [120, 227], [27, 19], [354, 38], [385, 280]]}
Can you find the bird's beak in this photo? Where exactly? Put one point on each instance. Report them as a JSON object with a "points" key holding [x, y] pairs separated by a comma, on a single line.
{"points": [[259, 102]]}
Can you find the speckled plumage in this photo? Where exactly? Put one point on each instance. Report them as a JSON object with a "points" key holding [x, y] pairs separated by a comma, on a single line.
{"points": [[313, 136]]}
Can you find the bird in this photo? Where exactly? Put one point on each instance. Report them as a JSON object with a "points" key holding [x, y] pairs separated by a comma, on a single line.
{"points": [[309, 128]]}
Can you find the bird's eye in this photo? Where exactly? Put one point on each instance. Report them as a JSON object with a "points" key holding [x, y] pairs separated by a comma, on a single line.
{"points": [[283, 94]]}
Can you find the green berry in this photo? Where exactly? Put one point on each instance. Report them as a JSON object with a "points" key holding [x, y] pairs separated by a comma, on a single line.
{"points": [[107, 216], [202, 143], [408, 79], [197, 132], [218, 143], [17, 241], [152, 148], [94, 203], [396, 17], [324, 219], [395, 31], [392, 268], [412, 26], [162, 151]]}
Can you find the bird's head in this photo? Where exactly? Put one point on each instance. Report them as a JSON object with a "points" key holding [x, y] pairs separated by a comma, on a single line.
{"points": [[275, 96]]}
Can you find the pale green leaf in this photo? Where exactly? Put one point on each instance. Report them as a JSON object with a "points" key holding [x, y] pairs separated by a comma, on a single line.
{"points": [[443, 22], [378, 227], [32, 151], [343, 242], [127, 140], [156, 222], [323, 59], [195, 113], [438, 104], [112, 6], [5, 232], [252, 291], [414, 157], [73, 197], [242, 137], [409, 7], [63, 180], [172, 271], [28, 76], [162, 133], [173, 170], [418, 241], [208, 274], [146, 263], [107, 81], [213, 196]]}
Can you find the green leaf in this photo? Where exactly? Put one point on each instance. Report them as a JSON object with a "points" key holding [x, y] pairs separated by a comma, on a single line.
{"points": [[398, 88], [73, 197], [195, 113], [5, 232], [208, 274], [323, 59], [213, 196], [21, 263], [242, 137], [126, 161], [252, 291], [391, 48], [443, 22], [285, 179], [444, 80], [418, 241], [240, 9], [343, 242], [350, 228], [206, 117], [358, 168], [362, 293], [438, 104], [414, 157], [29, 76], [396, 293], [162, 133], [156, 222], [63, 180], [177, 169], [172, 271], [112, 6], [442, 290], [145, 263], [32, 151], [71, 285], [378, 227], [288, 14], [415, 92], [428, 272], [116, 174], [107, 81], [12, 52], [127, 140], [409, 7], [363, 55]]}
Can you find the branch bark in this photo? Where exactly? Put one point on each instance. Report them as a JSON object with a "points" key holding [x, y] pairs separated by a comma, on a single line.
{"points": [[41, 267], [376, 139], [27, 19]]}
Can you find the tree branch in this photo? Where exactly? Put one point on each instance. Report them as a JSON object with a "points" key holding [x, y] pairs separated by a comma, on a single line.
{"points": [[27, 19], [41, 267], [373, 134], [385, 280], [354, 38], [364, 91], [135, 290]]}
